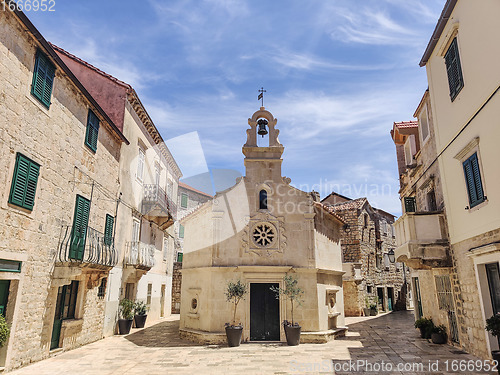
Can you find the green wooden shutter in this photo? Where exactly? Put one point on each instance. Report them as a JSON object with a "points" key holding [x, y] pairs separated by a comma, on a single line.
{"points": [[24, 182], [108, 230], [181, 231], [79, 229], [454, 69], [92, 131], [473, 180], [184, 200], [43, 79], [410, 204]]}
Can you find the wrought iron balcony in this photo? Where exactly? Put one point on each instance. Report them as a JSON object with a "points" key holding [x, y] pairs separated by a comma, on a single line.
{"points": [[422, 240], [140, 255], [158, 207], [92, 250]]}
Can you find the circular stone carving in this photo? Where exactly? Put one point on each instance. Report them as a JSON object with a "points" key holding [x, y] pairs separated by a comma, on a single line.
{"points": [[264, 234]]}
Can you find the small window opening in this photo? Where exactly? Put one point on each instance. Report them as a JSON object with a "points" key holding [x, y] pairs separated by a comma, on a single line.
{"points": [[263, 200]]}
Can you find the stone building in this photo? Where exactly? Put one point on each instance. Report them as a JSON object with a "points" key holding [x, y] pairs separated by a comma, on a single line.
{"points": [[258, 231], [463, 242], [188, 199], [146, 210], [367, 242], [60, 169]]}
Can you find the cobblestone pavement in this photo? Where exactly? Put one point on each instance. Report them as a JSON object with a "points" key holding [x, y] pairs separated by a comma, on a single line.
{"points": [[386, 340]]}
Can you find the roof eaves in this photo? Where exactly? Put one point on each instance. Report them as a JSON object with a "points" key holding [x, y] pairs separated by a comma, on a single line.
{"points": [[443, 19], [52, 53]]}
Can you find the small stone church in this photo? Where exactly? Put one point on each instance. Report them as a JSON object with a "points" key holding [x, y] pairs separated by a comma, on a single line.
{"points": [[258, 231]]}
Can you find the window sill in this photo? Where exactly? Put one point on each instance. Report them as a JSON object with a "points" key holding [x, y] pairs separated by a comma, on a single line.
{"points": [[36, 102], [478, 206]]}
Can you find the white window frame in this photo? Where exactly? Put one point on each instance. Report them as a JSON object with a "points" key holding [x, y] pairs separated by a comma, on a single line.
{"points": [[136, 230], [141, 159], [424, 114], [410, 150]]}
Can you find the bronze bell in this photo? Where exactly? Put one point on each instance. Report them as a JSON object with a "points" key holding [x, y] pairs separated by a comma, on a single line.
{"points": [[262, 127]]}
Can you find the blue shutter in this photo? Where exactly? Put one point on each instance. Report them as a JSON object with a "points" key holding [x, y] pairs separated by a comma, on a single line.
{"points": [[473, 179], [24, 182]]}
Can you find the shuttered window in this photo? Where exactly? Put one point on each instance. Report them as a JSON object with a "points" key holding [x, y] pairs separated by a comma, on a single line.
{"points": [[23, 188], [181, 231], [184, 200], [473, 180], [43, 79], [79, 229], [92, 131], [108, 230], [454, 69], [410, 204]]}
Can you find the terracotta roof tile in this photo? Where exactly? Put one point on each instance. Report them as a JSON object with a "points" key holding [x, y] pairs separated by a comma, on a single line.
{"points": [[352, 204], [186, 186], [331, 212], [406, 124]]}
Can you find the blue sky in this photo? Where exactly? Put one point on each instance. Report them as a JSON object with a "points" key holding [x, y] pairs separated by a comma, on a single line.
{"points": [[338, 73]]}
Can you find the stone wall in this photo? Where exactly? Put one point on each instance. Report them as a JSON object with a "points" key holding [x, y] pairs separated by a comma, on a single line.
{"points": [[54, 138], [176, 288]]}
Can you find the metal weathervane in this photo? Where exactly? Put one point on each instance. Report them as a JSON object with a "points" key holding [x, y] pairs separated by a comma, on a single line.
{"points": [[261, 95]]}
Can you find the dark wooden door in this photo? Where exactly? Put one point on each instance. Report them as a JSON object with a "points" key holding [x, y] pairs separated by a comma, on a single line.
{"points": [[264, 313], [58, 318]]}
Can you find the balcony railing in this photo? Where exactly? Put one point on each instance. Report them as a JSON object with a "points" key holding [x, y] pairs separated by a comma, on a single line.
{"points": [[422, 240], [158, 207], [90, 250], [140, 255]]}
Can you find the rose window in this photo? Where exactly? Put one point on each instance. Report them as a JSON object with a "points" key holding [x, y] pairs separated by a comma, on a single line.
{"points": [[264, 234]]}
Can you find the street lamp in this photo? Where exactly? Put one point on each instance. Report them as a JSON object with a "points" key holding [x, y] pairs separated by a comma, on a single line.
{"points": [[392, 257]]}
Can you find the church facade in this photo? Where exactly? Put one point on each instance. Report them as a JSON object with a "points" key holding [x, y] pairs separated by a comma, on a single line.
{"points": [[258, 231]]}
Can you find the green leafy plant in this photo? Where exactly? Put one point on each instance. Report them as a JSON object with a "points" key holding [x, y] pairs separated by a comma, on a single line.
{"points": [[441, 329], [291, 292], [127, 309], [235, 291], [493, 325], [140, 308], [4, 331], [425, 325]]}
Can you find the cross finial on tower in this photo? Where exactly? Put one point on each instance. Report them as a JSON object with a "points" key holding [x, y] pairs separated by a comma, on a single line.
{"points": [[261, 95]]}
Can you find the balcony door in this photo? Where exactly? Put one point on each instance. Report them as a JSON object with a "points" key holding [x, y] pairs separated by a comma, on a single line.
{"points": [[79, 229]]}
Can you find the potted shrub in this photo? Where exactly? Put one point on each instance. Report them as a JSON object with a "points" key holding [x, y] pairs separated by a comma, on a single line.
{"points": [[438, 334], [493, 327], [373, 310], [425, 326], [140, 310], [292, 293], [127, 316], [234, 293], [4, 331], [366, 309]]}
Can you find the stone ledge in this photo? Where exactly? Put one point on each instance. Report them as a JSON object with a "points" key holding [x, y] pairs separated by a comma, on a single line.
{"points": [[203, 337], [322, 337]]}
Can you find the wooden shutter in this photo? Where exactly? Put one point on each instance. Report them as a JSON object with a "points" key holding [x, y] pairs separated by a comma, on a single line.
{"points": [[92, 131], [43, 79], [181, 231], [23, 189], [108, 230], [79, 230], [454, 69], [473, 180], [184, 200], [410, 204]]}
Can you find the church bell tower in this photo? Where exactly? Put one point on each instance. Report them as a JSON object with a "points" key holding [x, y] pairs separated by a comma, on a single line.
{"points": [[263, 163]]}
